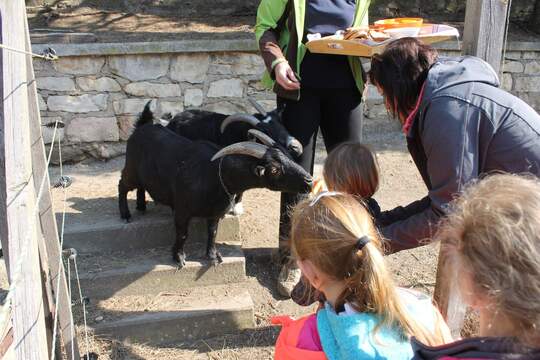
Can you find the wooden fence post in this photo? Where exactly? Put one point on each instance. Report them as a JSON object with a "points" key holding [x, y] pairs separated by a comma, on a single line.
{"points": [[49, 242], [485, 25], [18, 229]]}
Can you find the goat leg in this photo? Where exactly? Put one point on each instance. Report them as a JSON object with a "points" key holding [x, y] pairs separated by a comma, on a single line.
{"points": [[238, 208], [181, 224], [141, 199], [122, 201], [211, 252]]}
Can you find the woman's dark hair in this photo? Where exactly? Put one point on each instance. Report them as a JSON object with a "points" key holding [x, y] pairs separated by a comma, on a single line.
{"points": [[400, 72]]}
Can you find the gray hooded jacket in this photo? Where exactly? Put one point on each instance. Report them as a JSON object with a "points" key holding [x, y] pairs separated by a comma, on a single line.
{"points": [[466, 126]]}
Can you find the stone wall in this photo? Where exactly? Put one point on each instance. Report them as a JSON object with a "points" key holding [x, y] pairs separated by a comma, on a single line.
{"points": [[98, 97]]}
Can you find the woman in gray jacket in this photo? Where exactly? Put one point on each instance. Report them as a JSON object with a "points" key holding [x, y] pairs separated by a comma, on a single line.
{"points": [[459, 125]]}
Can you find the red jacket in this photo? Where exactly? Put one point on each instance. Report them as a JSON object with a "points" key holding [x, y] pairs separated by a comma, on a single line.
{"points": [[288, 338]]}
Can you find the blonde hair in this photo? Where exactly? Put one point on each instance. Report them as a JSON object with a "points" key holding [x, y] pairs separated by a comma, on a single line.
{"points": [[494, 233], [352, 168], [326, 231]]}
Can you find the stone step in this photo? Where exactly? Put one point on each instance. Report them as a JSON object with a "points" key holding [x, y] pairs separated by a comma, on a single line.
{"points": [[151, 271], [153, 229], [171, 318]]}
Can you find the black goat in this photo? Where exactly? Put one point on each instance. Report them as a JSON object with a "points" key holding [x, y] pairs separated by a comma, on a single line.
{"points": [[197, 179], [225, 130]]}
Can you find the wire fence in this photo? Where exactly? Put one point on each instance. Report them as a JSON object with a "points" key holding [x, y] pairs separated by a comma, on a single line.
{"points": [[16, 271]]}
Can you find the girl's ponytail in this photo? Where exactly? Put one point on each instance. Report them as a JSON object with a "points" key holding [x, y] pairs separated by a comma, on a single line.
{"points": [[377, 290], [336, 233]]}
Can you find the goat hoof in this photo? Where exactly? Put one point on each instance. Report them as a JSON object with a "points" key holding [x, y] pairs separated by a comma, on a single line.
{"points": [[141, 209], [128, 220], [215, 258], [238, 209], [180, 259], [126, 217]]}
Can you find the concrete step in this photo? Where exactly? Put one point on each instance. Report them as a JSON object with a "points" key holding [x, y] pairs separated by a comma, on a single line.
{"points": [[154, 228], [151, 271], [171, 318]]}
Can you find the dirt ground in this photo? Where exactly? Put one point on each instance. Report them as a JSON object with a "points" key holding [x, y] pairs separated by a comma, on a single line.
{"points": [[120, 23], [400, 184]]}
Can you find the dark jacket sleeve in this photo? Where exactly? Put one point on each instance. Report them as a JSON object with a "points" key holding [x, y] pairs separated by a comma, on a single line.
{"points": [[450, 139], [399, 213]]}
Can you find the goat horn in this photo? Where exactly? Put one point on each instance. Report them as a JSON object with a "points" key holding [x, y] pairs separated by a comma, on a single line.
{"points": [[250, 119], [265, 139], [257, 106], [242, 148]]}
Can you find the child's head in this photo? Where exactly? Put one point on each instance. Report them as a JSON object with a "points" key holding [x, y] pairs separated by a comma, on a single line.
{"points": [[352, 168], [493, 236], [337, 247]]}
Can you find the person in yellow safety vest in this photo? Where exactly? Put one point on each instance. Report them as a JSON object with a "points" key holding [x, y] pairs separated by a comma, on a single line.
{"points": [[316, 90]]}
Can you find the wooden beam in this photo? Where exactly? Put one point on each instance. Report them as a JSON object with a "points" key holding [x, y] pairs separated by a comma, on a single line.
{"points": [[49, 244], [18, 230], [484, 33]]}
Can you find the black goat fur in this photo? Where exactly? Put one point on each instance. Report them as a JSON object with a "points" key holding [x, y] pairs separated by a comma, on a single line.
{"points": [[178, 172], [206, 125], [198, 124]]}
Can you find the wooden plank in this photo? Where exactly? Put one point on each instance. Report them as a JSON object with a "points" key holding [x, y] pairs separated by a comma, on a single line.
{"points": [[50, 251], [484, 31], [17, 228]]}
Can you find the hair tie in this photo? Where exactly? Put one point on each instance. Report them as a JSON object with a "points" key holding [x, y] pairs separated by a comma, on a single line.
{"points": [[360, 243]]}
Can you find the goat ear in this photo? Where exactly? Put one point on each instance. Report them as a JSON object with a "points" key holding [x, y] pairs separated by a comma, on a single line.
{"points": [[259, 170]]}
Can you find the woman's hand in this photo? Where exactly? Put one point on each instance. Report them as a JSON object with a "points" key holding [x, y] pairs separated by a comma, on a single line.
{"points": [[285, 76]]}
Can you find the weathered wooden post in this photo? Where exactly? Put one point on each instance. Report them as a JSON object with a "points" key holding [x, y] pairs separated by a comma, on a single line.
{"points": [[49, 248], [485, 29], [18, 228]]}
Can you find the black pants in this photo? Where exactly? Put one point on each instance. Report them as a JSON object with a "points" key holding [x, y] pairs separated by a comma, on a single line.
{"points": [[338, 113]]}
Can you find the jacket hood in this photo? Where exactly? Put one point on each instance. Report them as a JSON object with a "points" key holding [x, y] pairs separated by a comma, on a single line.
{"points": [[448, 72]]}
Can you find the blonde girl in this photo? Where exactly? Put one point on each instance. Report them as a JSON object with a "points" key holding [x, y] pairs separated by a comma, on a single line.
{"points": [[351, 168], [365, 316], [492, 238]]}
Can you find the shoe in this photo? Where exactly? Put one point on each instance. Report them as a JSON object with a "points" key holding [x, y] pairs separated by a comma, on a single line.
{"points": [[288, 277], [304, 294]]}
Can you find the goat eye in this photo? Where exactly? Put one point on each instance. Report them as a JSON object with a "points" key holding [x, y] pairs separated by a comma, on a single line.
{"points": [[274, 171]]}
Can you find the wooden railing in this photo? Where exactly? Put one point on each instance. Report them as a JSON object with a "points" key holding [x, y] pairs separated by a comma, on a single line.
{"points": [[27, 223]]}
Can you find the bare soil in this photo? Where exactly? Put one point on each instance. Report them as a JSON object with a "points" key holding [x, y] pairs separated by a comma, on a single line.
{"points": [[400, 184], [110, 23]]}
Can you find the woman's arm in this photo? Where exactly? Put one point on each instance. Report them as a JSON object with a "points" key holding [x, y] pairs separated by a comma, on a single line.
{"points": [[271, 17], [450, 137]]}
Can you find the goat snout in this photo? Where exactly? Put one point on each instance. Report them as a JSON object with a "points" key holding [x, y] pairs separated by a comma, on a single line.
{"points": [[308, 181]]}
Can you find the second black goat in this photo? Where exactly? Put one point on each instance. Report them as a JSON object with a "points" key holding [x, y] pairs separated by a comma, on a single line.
{"points": [[198, 178], [225, 130]]}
